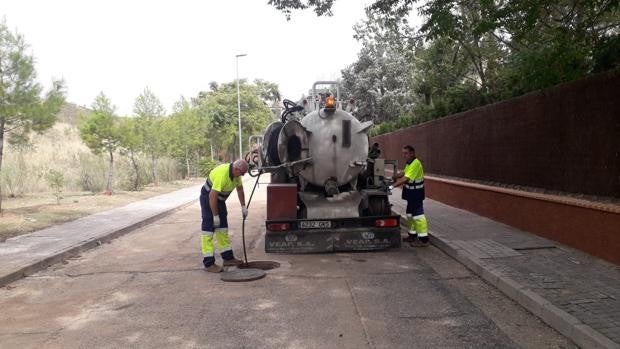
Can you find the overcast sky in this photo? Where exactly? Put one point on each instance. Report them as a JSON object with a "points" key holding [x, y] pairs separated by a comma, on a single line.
{"points": [[177, 47]]}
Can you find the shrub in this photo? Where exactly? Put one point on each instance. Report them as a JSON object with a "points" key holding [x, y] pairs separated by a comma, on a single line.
{"points": [[168, 170], [18, 176], [92, 173], [127, 174], [56, 181], [206, 166]]}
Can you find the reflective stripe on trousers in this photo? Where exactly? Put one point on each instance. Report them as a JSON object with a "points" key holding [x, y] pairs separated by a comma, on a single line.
{"points": [[206, 243], [417, 225], [222, 239]]}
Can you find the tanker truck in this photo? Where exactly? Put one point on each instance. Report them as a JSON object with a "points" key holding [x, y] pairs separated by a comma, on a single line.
{"points": [[326, 193]]}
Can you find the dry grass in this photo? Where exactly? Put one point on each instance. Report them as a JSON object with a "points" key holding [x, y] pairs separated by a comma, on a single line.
{"points": [[37, 211], [29, 203], [61, 149]]}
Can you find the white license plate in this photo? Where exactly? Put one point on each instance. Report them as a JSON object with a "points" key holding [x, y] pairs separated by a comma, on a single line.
{"points": [[315, 224]]}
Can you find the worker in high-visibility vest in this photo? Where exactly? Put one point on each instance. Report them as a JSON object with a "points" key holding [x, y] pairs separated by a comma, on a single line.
{"points": [[412, 180], [220, 183]]}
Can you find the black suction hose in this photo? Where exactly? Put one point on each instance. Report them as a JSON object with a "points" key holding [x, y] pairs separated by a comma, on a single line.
{"points": [[245, 256]]}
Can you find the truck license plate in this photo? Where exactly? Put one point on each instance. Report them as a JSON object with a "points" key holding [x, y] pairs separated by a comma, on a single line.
{"points": [[315, 224]]}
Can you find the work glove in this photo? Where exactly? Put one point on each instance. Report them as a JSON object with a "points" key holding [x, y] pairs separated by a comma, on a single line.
{"points": [[216, 221], [244, 211]]}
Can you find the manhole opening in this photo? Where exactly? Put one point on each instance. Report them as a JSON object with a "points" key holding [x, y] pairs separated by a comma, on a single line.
{"points": [[262, 265]]}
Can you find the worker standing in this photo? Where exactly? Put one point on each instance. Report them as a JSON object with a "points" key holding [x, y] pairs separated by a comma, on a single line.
{"points": [[220, 183], [412, 179]]}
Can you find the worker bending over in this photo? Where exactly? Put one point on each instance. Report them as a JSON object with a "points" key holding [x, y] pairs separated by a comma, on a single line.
{"points": [[220, 183]]}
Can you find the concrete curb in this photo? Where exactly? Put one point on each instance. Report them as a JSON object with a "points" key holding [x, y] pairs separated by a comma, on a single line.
{"points": [[83, 246], [568, 325]]}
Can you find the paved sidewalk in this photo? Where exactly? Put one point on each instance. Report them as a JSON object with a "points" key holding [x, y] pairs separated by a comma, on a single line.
{"points": [[26, 254], [575, 293]]}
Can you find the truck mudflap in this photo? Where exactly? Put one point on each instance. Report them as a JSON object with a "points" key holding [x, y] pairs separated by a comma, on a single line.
{"points": [[360, 234], [303, 241]]}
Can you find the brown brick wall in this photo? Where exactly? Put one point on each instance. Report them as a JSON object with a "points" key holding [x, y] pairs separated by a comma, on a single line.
{"points": [[566, 138]]}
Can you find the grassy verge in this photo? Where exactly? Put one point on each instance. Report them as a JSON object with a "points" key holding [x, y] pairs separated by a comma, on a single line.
{"points": [[37, 211]]}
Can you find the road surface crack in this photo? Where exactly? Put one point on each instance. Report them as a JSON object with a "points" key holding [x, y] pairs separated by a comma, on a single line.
{"points": [[359, 314], [134, 272]]}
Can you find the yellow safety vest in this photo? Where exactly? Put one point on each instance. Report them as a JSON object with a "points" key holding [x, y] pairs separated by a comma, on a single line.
{"points": [[414, 188], [221, 180]]}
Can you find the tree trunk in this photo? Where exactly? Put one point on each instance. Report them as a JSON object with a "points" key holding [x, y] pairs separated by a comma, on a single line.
{"points": [[477, 65], [187, 160], [1, 152], [108, 189], [198, 157], [154, 169], [136, 183]]}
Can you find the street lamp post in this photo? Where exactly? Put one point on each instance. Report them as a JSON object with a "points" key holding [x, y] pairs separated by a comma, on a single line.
{"points": [[239, 103]]}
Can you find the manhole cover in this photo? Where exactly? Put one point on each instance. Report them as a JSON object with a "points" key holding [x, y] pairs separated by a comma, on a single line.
{"points": [[239, 275], [262, 265]]}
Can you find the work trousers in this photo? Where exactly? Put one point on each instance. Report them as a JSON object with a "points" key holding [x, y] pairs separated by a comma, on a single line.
{"points": [[416, 220], [209, 231]]}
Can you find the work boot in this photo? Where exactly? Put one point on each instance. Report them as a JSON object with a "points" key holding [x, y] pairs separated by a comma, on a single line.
{"points": [[418, 243], [410, 238], [213, 268], [232, 262]]}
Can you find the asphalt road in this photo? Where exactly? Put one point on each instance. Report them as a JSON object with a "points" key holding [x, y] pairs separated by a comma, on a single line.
{"points": [[148, 289]]}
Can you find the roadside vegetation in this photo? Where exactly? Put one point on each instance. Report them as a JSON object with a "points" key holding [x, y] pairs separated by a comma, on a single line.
{"points": [[466, 54], [59, 161], [55, 178], [34, 211]]}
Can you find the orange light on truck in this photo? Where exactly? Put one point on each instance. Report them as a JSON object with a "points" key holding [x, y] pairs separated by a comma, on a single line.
{"points": [[330, 102]]}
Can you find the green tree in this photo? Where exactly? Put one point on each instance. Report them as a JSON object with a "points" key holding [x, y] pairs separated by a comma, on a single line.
{"points": [[187, 135], [130, 143], [512, 46], [558, 41], [522, 45], [321, 7], [268, 91], [148, 105], [218, 109], [149, 110], [22, 108], [99, 131], [379, 82]]}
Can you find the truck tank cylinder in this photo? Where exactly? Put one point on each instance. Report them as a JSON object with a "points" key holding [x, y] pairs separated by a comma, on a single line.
{"points": [[293, 148], [293, 142], [270, 144], [336, 141]]}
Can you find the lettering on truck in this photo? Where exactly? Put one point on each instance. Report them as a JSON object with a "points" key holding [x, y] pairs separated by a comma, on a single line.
{"points": [[291, 244], [358, 242]]}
